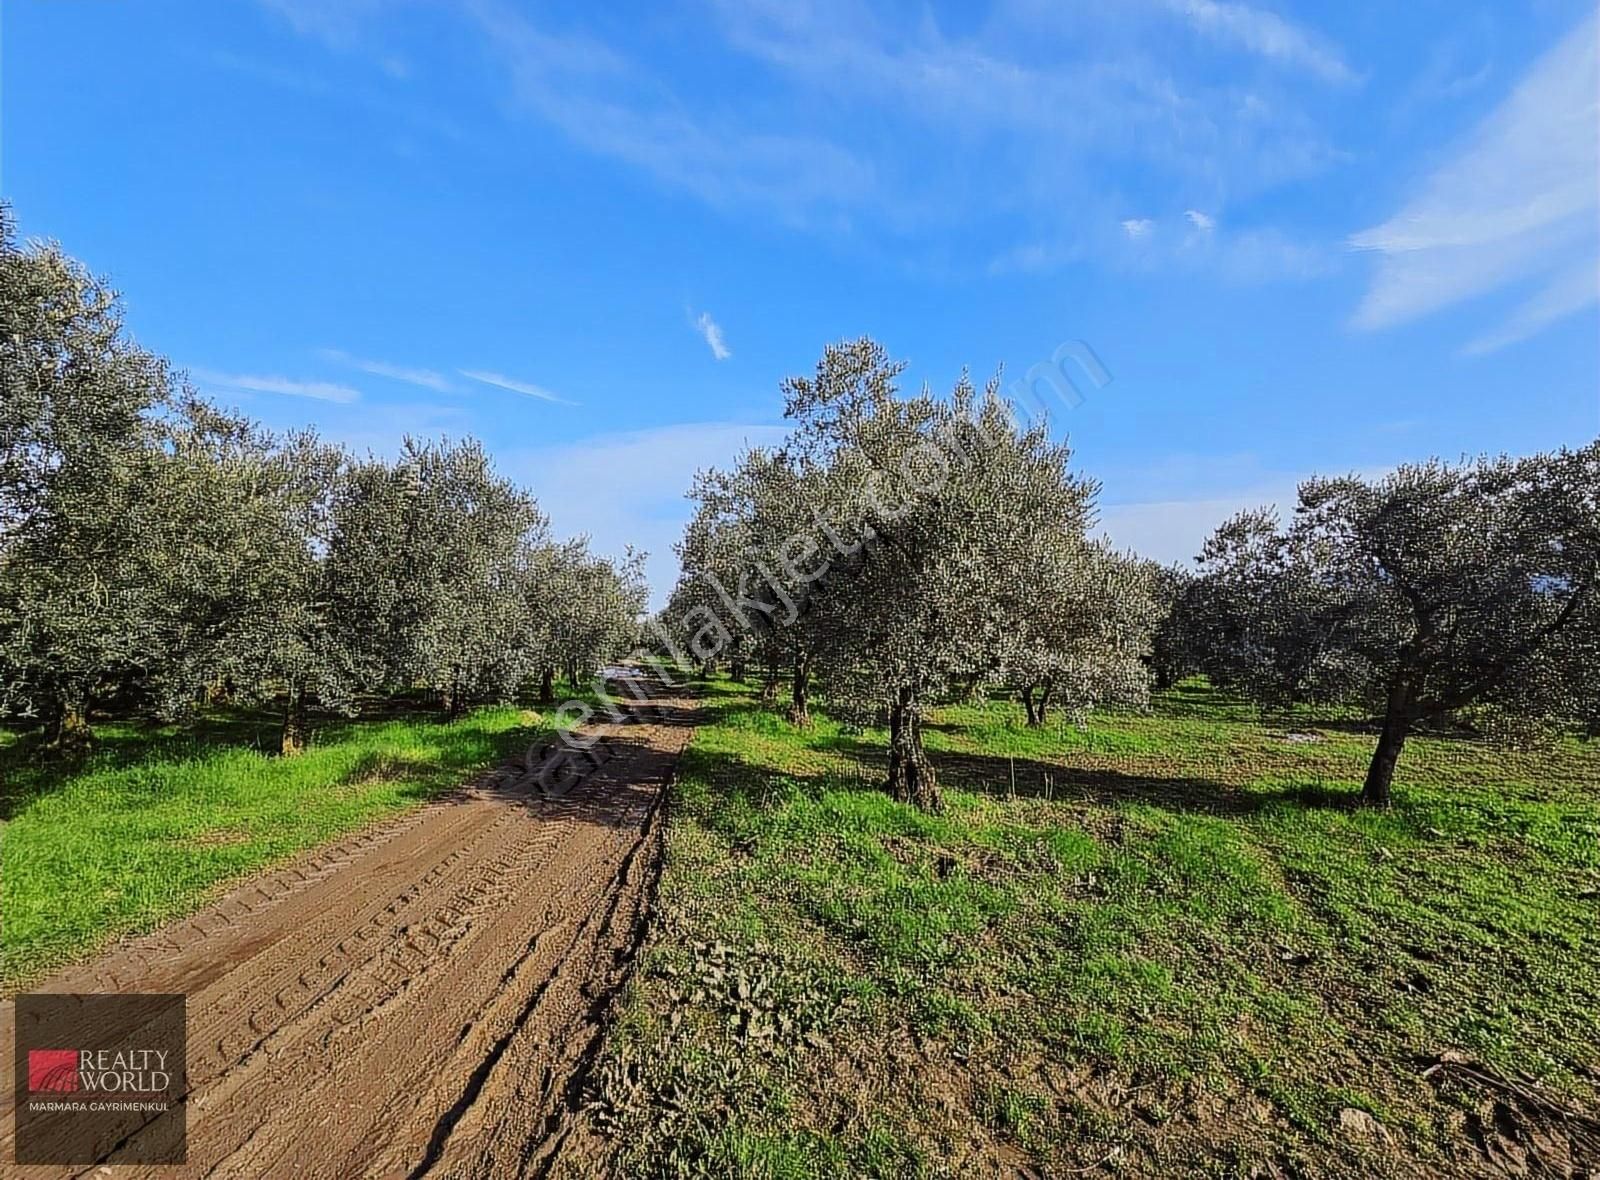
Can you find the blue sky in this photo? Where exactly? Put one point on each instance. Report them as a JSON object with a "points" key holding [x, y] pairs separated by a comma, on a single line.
{"points": [[1302, 238]]}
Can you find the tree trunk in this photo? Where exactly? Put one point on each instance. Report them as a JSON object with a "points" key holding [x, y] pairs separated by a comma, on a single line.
{"points": [[769, 685], [911, 777], [1035, 718], [572, 674], [737, 669], [547, 685], [293, 740], [1396, 727], [452, 696], [800, 691], [69, 730], [1043, 707]]}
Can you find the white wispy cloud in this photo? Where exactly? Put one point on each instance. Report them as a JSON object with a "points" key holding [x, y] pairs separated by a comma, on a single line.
{"points": [[1059, 96], [1516, 203], [711, 332], [866, 122], [515, 386], [326, 391], [1269, 35], [339, 24], [1257, 254], [1571, 290], [615, 107], [424, 378]]}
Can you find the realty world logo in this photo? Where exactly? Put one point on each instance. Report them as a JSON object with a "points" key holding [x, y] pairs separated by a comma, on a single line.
{"points": [[100, 1079], [98, 1071]]}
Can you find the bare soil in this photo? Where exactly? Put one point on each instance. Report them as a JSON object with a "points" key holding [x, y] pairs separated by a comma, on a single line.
{"points": [[421, 999]]}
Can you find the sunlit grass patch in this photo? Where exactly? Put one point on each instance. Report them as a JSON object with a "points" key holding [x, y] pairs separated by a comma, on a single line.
{"points": [[157, 817]]}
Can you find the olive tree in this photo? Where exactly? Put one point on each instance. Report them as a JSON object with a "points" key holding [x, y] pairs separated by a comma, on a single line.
{"points": [[1082, 637], [83, 426], [426, 555], [746, 557], [246, 605], [1440, 590], [1174, 643], [594, 608], [948, 520]]}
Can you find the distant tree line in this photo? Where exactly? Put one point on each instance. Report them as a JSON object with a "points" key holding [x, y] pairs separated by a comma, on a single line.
{"points": [[158, 554], [900, 550]]}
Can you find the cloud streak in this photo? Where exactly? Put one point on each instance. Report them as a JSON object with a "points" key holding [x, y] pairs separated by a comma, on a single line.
{"points": [[423, 378], [1269, 36], [1516, 203], [1014, 123], [501, 381], [711, 332], [234, 383]]}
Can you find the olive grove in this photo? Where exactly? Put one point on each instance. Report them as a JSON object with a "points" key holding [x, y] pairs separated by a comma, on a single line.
{"points": [[158, 554]]}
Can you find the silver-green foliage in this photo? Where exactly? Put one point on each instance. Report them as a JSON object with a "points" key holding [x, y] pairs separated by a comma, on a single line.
{"points": [[1469, 591], [156, 552], [905, 544]]}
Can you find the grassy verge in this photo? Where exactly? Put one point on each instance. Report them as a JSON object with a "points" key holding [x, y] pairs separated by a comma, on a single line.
{"points": [[157, 818], [1163, 944]]}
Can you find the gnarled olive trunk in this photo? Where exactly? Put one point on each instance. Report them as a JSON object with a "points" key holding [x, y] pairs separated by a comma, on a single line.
{"points": [[1036, 700], [293, 739], [68, 726], [1376, 792], [737, 668], [452, 699], [1397, 720], [911, 777], [1027, 704], [547, 685], [800, 691], [769, 684]]}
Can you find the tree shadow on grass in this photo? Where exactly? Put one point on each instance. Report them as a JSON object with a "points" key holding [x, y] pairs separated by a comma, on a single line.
{"points": [[1002, 777], [1022, 778]]}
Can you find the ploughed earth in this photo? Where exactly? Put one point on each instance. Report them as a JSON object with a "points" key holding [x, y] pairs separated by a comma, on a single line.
{"points": [[421, 999]]}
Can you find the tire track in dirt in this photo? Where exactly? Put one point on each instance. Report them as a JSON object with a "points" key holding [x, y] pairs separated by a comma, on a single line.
{"points": [[419, 999]]}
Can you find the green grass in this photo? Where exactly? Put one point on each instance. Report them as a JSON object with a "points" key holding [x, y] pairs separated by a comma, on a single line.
{"points": [[1165, 942], [158, 817]]}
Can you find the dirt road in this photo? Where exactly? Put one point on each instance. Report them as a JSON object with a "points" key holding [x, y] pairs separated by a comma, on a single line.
{"points": [[417, 1000]]}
